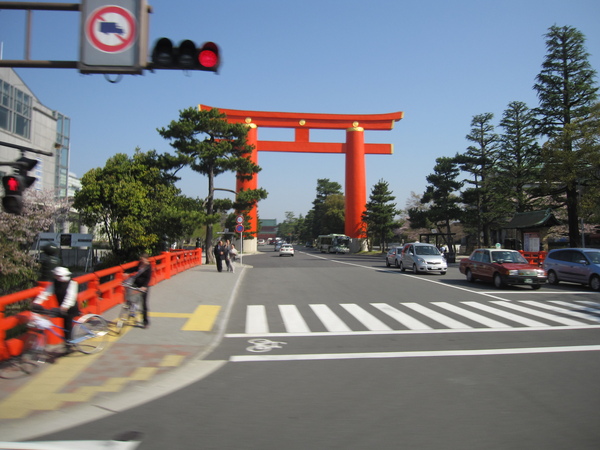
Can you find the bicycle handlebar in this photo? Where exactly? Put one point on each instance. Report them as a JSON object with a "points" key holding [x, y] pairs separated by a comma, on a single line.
{"points": [[133, 288]]}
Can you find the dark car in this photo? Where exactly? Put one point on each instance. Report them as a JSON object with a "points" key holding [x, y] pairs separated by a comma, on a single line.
{"points": [[576, 265], [502, 267]]}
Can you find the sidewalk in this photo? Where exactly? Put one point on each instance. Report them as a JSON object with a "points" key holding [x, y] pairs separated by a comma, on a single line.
{"points": [[187, 317]]}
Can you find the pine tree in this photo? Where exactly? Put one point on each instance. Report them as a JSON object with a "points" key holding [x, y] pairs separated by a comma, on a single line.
{"points": [[566, 91], [480, 161], [519, 158], [441, 193], [211, 145], [380, 212]]}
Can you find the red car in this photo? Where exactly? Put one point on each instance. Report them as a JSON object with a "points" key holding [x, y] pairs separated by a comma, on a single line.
{"points": [[502, 267]]}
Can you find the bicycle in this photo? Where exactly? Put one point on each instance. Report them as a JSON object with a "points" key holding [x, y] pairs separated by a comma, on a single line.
{"points": [[16, 366], [88, 335], [130, 309]]}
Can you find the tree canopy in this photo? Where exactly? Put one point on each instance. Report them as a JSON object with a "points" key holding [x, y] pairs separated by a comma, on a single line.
{"points": [[133, 201], [211, 146], [567, 92]]}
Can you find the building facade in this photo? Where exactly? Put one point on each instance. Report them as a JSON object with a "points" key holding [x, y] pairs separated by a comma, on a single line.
{"points": [[26, 122]]}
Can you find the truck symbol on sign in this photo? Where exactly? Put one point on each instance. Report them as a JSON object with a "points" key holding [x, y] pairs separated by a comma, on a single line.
{"points": [[110, 28]]}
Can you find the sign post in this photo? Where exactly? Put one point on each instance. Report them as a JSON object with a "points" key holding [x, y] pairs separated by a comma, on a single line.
{"points": [[240, 229]]}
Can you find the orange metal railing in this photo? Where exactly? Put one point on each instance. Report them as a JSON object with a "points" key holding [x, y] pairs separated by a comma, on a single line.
{"points": [[98, 292], [535, 258]]}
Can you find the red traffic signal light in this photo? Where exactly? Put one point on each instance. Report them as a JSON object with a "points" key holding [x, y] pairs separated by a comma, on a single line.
{"points": [[187, 56], [12, 202], [208, 57], [12, 184]]}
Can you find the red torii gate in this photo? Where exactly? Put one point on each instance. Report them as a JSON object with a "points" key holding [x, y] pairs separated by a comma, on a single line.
{"points": [[354, 148]]}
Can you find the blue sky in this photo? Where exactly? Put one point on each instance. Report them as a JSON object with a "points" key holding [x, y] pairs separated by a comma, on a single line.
{"points": [[439, 61]]}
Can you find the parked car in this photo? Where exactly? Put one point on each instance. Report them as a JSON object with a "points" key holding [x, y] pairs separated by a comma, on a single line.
{"points": [[286, 249], [577, 265], [393, 257], [422, 258], [502, 267]]}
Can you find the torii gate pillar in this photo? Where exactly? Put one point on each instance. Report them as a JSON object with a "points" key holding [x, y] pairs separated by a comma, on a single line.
{"points": [[252, 139], [354, 148], [356, 181]]}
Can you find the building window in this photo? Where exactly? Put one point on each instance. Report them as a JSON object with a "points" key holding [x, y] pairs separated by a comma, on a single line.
{"points": [[15, 110], [63, 131], [5, 105]]}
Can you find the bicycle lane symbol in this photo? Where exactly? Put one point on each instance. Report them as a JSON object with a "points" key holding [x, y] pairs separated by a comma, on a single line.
{"points": [[263, 345]]}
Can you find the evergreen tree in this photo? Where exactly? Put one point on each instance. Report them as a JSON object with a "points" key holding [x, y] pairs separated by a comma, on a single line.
{"points": [[379, 214], [441, 194], [211, 146], [566, 90], [325, 188], [334, 214], [480, 161], [519, 158]]}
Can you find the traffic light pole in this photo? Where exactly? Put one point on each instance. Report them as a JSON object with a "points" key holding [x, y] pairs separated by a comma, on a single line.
{"points": [[24, 149]]}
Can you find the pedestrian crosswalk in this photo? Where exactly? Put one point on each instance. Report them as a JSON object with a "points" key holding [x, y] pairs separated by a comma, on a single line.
{"points": [[346, 318]]}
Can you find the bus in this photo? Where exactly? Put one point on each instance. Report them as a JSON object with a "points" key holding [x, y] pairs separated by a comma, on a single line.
{"points": [[333, 243]]}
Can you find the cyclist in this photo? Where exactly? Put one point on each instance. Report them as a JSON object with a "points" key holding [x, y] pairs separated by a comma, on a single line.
{"points": [[65, 290]]}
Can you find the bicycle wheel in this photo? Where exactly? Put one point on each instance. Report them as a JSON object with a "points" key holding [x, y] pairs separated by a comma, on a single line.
{"points": [[89, 333], [11, 369], [123, 317], [34, 347]]}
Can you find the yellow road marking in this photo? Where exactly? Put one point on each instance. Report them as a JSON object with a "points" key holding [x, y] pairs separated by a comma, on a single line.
{"points": [[202, 319], [171, 315], [42, 392]]}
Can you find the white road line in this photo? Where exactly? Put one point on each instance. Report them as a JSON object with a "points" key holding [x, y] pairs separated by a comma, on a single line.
{"points": [[256, 319], [579, 314], [331, 322], [419, 331], [408, 321], [593, 305], [292, 319], [543, 315], [505, 314], [414, 354], [444, 320], [367, 319], [472, 315]]}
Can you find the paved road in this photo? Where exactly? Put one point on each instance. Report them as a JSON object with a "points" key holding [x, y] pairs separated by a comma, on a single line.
{"points": [[360, 356]]}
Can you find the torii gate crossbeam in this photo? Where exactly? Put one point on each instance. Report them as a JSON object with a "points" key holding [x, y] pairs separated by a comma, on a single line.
{"points": [[354, 148]]}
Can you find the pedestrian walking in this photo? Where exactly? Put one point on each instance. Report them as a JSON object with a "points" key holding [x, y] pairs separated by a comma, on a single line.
{"points": [[141, 280], [233, 254], [228, 256], [219, 253]]}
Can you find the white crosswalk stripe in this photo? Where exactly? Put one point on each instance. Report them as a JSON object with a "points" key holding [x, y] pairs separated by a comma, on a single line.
{"points": [[347, 318]]}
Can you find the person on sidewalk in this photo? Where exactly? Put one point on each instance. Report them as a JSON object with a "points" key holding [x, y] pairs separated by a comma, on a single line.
{"points": [[219, 253], [66, 291], [141, 280], [233, 254], [228, 256]]}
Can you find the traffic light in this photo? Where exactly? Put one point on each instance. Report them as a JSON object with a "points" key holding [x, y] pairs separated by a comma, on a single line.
{"points": [[187, 56], [15, 185], [12, 202], [24, 165]]}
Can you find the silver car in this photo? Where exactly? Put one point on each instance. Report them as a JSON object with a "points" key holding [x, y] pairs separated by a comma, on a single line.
{"points": [[576, 265], [422, 258], [393, 257]]}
